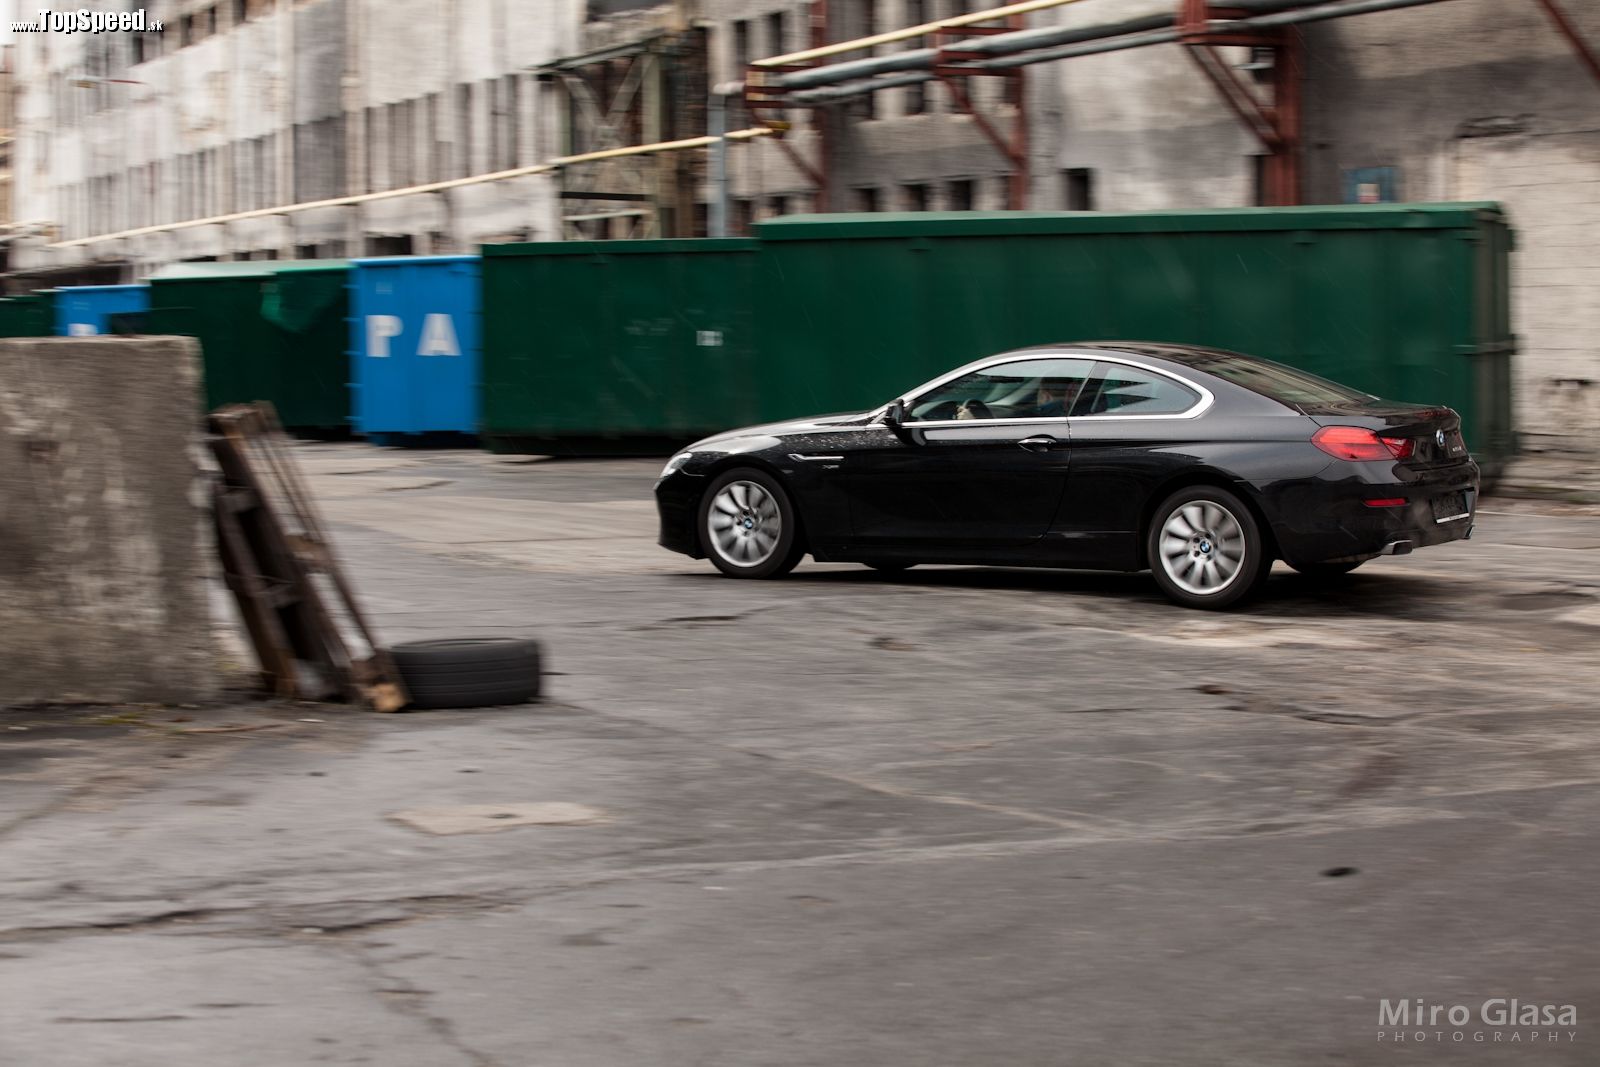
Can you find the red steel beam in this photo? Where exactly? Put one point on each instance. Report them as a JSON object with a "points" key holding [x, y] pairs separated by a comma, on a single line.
{"points": [[1014, 148], [1277, 125], [1570, 32]]}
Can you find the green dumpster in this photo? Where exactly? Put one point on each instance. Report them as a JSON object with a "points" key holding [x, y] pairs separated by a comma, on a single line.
{"points": [[28, 315], [1407, 301], [617, 346], [268, 330]]}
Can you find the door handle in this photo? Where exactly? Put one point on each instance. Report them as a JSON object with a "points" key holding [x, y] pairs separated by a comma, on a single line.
{"points": [[1041, 443]]}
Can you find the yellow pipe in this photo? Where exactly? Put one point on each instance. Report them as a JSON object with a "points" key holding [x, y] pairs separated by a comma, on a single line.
{"points": [[431, 187], [909, 32]]}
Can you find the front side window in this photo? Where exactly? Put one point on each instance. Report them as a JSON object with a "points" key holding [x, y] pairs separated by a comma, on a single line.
{"points": [[1023, 389], [1119, 389]]}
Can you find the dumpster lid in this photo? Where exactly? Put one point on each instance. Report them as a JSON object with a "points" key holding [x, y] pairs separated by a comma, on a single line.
{"points": [[647, 245], [256, 268], [1008, 223], [408, 261], [129, 287]]}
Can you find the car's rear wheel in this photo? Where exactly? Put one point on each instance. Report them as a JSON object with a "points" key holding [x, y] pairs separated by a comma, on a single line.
{"points": [[1323, 572], [1205, 548], [749, 526]]}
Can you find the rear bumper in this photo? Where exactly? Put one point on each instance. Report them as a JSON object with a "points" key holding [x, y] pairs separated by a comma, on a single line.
{"points": [[1336, 523]]}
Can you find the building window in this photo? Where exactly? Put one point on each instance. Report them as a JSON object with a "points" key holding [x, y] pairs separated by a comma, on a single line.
{"points": [[513, 120], [464, 131], [916, 96], [776, 206], [777, 33], [916, 197], [741, 47], [867, 199], [744, 213], [241, 11], [961, 195], [1077, 189], [866, 106]]}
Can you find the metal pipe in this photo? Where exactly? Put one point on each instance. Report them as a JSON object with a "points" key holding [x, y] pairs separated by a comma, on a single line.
{"points": [[1261, 14], [1089, 48], [1319, 12], [910, 32], [717, 123], [431, 187], [1275, 13], [923, 58]]}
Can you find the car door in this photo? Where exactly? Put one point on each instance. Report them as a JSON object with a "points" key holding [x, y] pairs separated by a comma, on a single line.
{"points": [[1133, 428], [980, 463]]}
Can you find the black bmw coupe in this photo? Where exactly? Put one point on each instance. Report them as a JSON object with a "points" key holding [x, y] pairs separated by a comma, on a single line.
{"points": [[1200, 465]]}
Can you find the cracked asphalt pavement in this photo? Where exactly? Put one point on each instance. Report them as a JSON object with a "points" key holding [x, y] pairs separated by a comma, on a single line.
{"points": [[962, 817]]}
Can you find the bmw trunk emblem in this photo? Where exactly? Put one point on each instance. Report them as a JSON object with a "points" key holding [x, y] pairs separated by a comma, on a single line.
{"points": [[1438, 435]]}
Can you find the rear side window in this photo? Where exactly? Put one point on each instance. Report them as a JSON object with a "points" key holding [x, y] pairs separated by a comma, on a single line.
{"points": [[1283, 384], [1124, 390]]}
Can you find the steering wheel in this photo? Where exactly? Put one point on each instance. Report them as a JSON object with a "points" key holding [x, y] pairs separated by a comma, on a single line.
{"points": [[973, 409]]}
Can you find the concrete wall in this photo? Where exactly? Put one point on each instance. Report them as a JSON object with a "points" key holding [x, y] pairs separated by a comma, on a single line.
{"points": [[103, 543], [1480, 100]]}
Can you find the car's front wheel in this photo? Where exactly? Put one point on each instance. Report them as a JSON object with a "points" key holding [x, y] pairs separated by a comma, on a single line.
{"points": [[1205, 548], [749, 525]]}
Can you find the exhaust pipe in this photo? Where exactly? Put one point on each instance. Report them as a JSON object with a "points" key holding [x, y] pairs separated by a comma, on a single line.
{"points": [[1397, 548]]}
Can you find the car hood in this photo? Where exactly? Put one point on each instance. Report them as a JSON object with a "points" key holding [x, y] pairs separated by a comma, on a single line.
{"points": [[790, 428]]}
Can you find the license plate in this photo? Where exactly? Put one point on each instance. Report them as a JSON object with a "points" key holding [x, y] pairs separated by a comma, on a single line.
{"points": [[1452, 507]]}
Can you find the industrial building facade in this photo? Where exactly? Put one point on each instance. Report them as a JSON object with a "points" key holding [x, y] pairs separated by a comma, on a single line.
{"points": [[237, 107]]}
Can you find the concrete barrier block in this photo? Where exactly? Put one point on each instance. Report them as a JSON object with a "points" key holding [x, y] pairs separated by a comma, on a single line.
{"points": [[105, 543]]}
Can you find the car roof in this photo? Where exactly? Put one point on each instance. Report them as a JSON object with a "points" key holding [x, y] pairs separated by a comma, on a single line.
{"points": [[1186, 355]]}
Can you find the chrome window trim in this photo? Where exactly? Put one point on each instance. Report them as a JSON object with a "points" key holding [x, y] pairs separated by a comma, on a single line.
{"points": [[1207, 398]]}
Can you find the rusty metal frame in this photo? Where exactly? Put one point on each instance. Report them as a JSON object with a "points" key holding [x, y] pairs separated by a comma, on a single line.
{"points": [[1278, 123], [1566, 28], [758, 102], [947, 68], [273, 548]]}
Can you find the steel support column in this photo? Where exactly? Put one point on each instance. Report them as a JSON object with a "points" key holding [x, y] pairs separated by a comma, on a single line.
{"points": [[1277, 122]]}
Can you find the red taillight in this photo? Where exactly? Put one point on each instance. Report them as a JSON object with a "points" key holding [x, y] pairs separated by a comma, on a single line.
{"points": [[1399, 447], [1386, 502], [1359, 443]]}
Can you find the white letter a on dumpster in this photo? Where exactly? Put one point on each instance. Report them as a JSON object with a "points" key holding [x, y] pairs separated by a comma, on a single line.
{"points": [[438, 337]]}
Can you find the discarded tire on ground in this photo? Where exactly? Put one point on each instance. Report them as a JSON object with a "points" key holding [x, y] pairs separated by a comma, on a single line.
{"points": [[469, 672]]}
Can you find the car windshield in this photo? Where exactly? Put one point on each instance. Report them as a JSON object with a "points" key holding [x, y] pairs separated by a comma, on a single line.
{"points": [[1283, 384]]}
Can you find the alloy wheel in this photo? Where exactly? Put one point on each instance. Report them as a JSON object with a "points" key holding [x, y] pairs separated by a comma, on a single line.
{"points": [[745, 524], [1202, 547]]}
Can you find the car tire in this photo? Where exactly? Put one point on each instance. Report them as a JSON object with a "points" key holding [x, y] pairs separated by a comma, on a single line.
{"points": [[888, 566], [749, 526], [469, 672], [1205, 548], [1327, 572]]}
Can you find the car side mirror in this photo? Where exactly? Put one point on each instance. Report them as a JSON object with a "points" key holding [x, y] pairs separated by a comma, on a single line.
{"points": [[894, 417]]}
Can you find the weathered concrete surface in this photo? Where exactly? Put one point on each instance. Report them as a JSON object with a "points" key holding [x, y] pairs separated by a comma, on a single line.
{"points": [[102, 548], [969, 817]]}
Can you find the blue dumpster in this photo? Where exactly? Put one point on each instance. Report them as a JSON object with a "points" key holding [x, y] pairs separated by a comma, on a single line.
{"points": [[414, 345], [85, 310]]}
